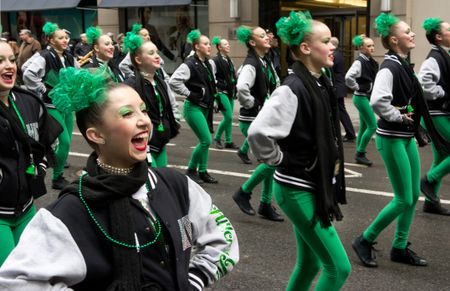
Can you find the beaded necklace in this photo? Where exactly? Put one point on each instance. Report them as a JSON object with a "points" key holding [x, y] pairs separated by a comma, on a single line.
{"points": [[113, 170], [137, 246], [160, 127]]}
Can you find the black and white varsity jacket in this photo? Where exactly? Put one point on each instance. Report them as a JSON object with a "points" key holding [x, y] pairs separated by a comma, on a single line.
{"points": [[361, 75]]}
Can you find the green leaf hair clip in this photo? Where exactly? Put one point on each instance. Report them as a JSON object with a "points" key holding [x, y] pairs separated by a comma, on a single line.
{"points": [[358, 41], [384, 22], [93, 34], [50, 28], [136, 28], [216, 40], [132, 42], [292, 29], [193, 36], [432, 24], [243, 34]]}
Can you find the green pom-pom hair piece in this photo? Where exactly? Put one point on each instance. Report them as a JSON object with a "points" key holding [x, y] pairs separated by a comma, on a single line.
{"points": [[50, 28], [293, 29], [358, 41], [78, 89], [93, 34], [193, 36], [384, 22], [432, 24], [136, 28], [216, 40], [244, 34], [132, 42]]}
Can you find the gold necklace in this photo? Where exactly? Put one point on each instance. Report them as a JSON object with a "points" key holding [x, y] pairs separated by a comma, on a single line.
{"points": [[113, 170]]}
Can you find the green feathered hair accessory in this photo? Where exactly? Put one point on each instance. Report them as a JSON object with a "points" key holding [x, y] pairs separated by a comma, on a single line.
{"points": [[78, 89], [243, 34], [92, 34], [293, 29], [132, 42], [136, 28], [432, 24], [193, 36], [216, 40], [358, 41], [50, 28], [384, 22]]}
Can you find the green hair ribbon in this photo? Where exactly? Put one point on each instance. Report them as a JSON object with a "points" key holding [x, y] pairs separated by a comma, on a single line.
{"points": [[384, 22], [93, 34], [49, 28], [78, 89], [132, 42], [243, 34], [136, 28], [292, 29], [193, 36], [215, 40], [432, 24], [358, 41]]}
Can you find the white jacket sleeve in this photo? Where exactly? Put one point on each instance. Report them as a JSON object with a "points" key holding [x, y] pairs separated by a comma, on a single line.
{"points": [[46, 258], [126, 67], [429, 76], [381, 97], [33, 72], [179, 77], [216, 248], [245, 82], [353, 73]]}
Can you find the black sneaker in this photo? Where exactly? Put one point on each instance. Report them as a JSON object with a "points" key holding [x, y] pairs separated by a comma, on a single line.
{"points": [[435, 208], [218, 144], [365, 251], [361, 158], [407, 256], [427, 189], [267, 211], [191, 173], [59, 183], [231, 145], [242, 200], [348, 139], [207, 178], [244, 157]]}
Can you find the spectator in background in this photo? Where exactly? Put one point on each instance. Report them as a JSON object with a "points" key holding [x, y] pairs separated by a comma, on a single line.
{"points": [[28, 47], [338, 80], [119, 55], [274, 52], [82, 48], [183, 23]]}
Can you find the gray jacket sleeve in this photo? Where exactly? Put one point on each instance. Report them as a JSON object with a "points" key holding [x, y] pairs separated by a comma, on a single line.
{"points": [[33, 72], [179, 77], [216, 248], [272, 123], [245, 82], [353, 73], [173, 100], [46, 258], [381, 97], [429, 76], [126, 67]]}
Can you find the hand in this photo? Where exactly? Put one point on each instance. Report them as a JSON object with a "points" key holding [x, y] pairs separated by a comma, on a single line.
{"points": [[406, 118]]}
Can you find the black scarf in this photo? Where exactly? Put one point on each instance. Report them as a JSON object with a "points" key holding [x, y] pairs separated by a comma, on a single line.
{"points": [[329, 148], [114, 192], [421, 109]]}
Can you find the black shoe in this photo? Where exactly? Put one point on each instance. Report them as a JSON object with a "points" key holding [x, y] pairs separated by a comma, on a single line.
{"points": [[59, 183], [231, 145], [407, 256], [427, 189], [66, 165], [365, 251], [191, 173], [207, 178], [435, 208], [218, 144], [244, 157], [361, 158], [269, 212], [242, 200], [348, 139]]}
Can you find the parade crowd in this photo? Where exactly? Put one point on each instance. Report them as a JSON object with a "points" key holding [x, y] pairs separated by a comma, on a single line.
{"points": [[130, 223]]}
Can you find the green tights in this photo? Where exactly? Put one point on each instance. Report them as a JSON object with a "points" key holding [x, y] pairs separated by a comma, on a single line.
{"points": [[196, 117], [10, 231], [317, 247], [263, 173], [226, 123], [64, 140], [244, 126], [159, 160], [401, 158], [367, 121]]}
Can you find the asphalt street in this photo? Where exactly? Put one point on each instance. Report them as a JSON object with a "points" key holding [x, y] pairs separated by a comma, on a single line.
{"points": [[267, 249]]}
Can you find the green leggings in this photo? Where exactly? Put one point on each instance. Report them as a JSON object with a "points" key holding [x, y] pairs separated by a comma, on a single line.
{"points": [[367, 121], [263, 173], [10, 231], [159, 160], [226, 123], [244, 126], [441, 163], [401, 157], [317, 247], [196, 117], [64, 140]]}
